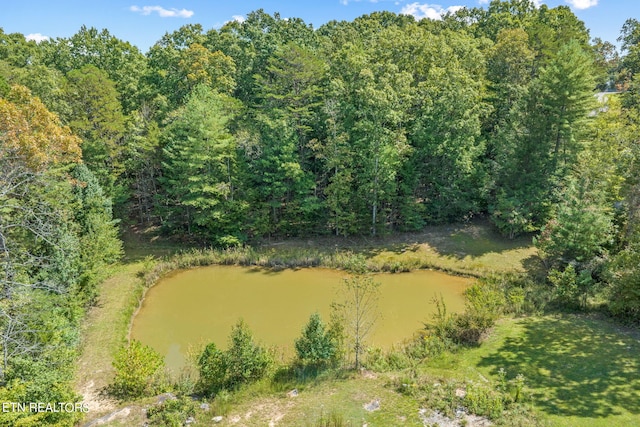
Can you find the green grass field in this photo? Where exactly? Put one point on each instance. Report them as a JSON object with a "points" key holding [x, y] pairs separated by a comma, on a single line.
{"points": [[580, 371]]}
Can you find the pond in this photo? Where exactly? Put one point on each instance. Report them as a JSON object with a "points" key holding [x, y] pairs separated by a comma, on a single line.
{"points": [[194, 307]]}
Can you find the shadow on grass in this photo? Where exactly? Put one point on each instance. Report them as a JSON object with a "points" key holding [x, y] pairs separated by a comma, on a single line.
{"points": [[474, 238], [574, 366], [478, 239]]}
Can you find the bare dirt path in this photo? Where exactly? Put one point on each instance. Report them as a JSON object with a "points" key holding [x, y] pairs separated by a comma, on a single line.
{"points": [[102, 334]]}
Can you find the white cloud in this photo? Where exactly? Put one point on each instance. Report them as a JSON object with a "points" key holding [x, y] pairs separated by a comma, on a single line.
{"points": [[431, 11], [483, 1], [238, 18], [582, 4], [37, 37], [162, 12]]}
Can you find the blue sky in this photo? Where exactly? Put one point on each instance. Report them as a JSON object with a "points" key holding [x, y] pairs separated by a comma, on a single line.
{"points": [[143, 22]]}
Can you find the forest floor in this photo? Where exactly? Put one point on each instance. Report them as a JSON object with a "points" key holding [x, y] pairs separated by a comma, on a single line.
{"points": [[579, 370]]}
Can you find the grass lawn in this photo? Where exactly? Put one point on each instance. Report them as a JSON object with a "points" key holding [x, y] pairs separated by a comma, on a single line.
{"points": [[579, 370], [473, 248], [343, 397]]}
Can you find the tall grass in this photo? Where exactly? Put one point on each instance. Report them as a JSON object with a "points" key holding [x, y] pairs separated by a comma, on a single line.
{"points": [[279, 259]]}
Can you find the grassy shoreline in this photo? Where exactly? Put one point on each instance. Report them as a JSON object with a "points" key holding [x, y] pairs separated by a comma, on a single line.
{"points": [[467, 247]]}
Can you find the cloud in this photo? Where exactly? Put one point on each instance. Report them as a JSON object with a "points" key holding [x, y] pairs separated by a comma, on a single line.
{"points": [[238, 18], [37, 37], [582, 4], [431, 11], [162, 12]]}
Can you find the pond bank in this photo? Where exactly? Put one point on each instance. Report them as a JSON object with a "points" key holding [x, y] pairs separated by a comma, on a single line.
{"points": [[468, 249], [200, 305]]}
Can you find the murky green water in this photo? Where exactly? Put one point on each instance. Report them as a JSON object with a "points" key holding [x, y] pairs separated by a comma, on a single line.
{"points": [[198, 306]]}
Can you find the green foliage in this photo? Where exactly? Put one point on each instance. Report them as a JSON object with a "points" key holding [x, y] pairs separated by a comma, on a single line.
{"points": [[243, 362], [123, 63], [99, 243], [624, 278], [581, 229], [271, 128], [557, 103], [381, 361], [45, 386], [212, 366], [358, 311], [222, 403], [246, 360], [137, 371], [496, 400], [316, 346], [484, 304], [95, 114], [44, 257], [332, 419], [4, 87], [481, 400], [172, 412], [199, 171]]}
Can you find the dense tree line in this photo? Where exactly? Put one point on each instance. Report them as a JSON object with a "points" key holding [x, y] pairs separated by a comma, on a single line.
{"points": [[271, 128], [57, 235]]}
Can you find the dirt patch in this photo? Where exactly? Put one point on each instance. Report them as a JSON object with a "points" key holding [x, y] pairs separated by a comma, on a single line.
{"points": [[461, 419], [96, 401], [269, 411], [370, 375], [119, 415]]}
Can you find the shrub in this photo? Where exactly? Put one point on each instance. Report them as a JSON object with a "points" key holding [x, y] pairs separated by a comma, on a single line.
{"points": [[571, 288], [483, 400], [171, 412], [243, 362], [212, 365], [624, 272], [315, 347], [484, 305], [138, 368], [380, 361], [426, 345], [246, 361], [46, 387]]}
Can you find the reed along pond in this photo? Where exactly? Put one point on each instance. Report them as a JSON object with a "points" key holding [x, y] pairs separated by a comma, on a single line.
{"points": [[193, 307]]}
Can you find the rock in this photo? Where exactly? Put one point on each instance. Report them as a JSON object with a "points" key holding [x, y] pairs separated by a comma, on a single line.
{"points": [[460, 392], [113, 416], [190, 421], [374, 405], [217, 419], [204, 406], [293, 393], [166, 396]]}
